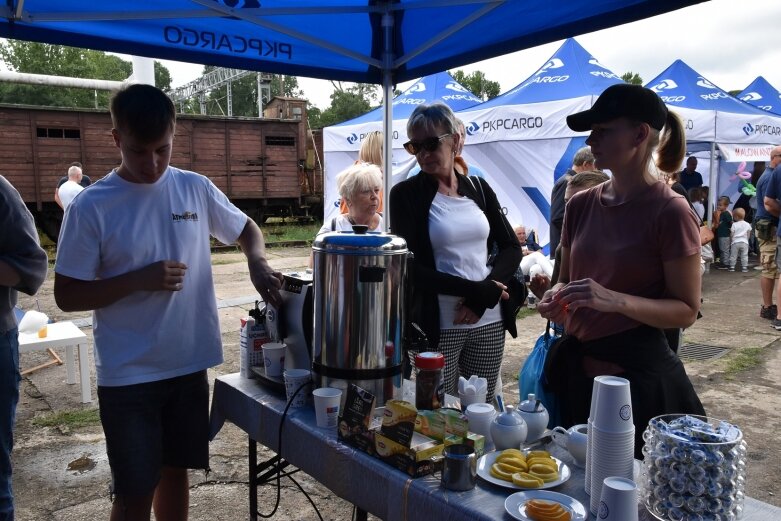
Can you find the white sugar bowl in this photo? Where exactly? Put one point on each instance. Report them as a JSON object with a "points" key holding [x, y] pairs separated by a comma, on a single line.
{"points": [[508, 430], [536, 417]]}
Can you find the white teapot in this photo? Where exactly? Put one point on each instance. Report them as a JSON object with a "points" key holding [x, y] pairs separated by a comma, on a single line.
{"points": [[536, 417], [508, 430]]}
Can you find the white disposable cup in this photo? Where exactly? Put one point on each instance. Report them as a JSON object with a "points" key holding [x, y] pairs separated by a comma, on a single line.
{"points": [[618, 501], [327, 403], [614, 405], [480, 416], [274, 358], [295, 378], [468, 399]]}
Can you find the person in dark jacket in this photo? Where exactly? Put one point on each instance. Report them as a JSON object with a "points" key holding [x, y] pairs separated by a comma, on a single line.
{"points": [[23, 266], [583, 161], [451, 222]]}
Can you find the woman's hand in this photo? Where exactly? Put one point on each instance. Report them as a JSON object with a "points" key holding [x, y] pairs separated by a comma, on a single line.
{"points": [[504, 295], [550, 306], [464, 315], [539, 284], [586, 293]]}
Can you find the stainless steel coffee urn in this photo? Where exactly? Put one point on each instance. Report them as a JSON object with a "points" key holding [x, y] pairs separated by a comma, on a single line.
{"points": [[359, 281]]}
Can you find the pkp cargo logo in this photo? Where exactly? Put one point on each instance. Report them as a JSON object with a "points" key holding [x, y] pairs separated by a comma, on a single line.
{"points": [[472, 128], [456, 87], [352, 138], [664, 85], [762, 129], [553, 63], [702, 82], [418, 87], [752, 96]]}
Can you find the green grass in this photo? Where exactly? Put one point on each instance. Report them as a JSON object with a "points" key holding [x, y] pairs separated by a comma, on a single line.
{"points": [[73, 419], [296, 232], [747, 358], [525, 312]]}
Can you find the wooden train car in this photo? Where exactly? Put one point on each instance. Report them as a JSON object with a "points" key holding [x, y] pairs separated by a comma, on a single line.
{"points": [[261, 164]]}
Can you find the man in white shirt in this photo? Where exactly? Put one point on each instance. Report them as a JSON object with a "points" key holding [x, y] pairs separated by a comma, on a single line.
{"points": [[135, 249], [70, 189]]}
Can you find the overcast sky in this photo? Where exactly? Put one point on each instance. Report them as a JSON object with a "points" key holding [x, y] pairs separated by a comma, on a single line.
{"points": [[729, 42]]}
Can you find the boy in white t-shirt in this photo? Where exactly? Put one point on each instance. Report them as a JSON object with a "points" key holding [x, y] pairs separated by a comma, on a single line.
{"points": [[739, 236], [134, 248]]}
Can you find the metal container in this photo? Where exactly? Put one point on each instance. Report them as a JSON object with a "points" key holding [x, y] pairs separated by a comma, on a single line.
{"points": [[359, 281]]}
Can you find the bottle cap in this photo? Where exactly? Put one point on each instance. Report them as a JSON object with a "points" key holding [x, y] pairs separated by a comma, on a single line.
{"points": [[429, 360]]}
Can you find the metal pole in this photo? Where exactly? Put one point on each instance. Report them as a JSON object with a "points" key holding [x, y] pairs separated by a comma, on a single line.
{"points": [[713, 181], [387, 113]]}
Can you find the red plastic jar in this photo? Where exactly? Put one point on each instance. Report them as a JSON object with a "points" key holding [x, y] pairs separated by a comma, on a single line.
{"points": [[429, 382]]}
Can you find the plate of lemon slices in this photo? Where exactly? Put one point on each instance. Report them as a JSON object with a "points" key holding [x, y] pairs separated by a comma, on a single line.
{"points": [[530, 470]]}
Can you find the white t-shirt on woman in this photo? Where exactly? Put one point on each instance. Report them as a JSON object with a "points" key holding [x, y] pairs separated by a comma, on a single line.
{"points": [[459, 233]]}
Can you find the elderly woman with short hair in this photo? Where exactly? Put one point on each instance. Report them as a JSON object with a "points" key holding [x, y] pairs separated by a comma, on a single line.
{"points": [[450, 222], [359, 186]]}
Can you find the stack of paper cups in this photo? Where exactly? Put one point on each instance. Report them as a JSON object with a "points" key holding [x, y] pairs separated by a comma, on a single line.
{"points": [[611, 435], [587, 484]]}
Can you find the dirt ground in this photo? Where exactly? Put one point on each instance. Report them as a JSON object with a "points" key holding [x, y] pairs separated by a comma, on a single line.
{"points": [[61, 472]]}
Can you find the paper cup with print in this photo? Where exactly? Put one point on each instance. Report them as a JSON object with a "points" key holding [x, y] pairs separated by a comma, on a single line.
{"points": [[618, 501], [274, 358], [327, 403], [613, 410], [294, 379]]}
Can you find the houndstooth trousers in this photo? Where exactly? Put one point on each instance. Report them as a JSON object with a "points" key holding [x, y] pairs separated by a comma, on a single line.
{"points": [[469, 351]]}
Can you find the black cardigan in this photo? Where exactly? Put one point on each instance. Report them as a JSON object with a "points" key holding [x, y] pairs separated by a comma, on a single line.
{"points": [[410, 203]]}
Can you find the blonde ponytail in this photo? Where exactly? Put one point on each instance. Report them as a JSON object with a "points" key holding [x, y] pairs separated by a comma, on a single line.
{"points": [[672, 144]]}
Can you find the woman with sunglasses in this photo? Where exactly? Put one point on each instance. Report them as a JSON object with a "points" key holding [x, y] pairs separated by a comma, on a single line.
{"points": [[630, 264], [450, 223]]}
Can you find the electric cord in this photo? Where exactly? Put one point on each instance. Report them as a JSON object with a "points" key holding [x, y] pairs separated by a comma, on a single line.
{"points": [[279, 468]]}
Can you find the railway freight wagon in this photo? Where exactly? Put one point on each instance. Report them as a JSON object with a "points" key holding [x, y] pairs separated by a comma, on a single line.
{"points": [[261, 164]]}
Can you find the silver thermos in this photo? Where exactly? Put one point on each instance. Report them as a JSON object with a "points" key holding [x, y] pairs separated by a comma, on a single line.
{"points": [[359, 281]]}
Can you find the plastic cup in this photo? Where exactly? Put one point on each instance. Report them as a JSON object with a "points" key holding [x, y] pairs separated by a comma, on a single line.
{"points": [[327, 403], [618, 501], [295, 378], [613, 411], [480, 416], [468, 399], [274, 358]]}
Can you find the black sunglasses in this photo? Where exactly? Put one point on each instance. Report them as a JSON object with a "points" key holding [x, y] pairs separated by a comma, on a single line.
{"points": [[429, 144]]}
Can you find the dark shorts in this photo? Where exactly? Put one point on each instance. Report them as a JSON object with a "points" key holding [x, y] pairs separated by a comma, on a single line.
{"points": [[155, 424]]}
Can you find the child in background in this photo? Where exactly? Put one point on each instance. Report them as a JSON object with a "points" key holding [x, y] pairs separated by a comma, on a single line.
{"points": [[739, 236], [722, 220]]}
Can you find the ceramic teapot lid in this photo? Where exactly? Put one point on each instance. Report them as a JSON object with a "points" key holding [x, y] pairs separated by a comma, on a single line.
{"points": [[530, 405], [508, 417]]}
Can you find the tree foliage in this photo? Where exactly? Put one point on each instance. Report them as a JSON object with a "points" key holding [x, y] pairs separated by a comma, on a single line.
{"points": [[347, 103], [632, 77], [478, 84], [59, 60]]}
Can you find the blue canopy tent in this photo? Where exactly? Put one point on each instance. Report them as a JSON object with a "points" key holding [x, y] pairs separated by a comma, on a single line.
{"points": [[719, 127], [762, 95], [375, 41], [521, 139], [341, 142]]}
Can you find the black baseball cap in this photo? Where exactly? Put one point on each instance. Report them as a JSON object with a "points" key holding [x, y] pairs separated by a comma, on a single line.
{"points": [[622, 101]]}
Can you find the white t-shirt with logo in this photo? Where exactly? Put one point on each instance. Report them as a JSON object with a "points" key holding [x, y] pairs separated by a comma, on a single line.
{"points": [[459, 237], [117, 227], [67, 192]]}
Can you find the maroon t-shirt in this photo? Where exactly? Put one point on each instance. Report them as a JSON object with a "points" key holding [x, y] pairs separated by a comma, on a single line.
{"points": [[623, 248]]}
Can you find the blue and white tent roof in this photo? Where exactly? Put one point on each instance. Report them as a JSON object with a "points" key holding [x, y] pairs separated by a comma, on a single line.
{"points": [[681, 86], [571, 72], [763, 95], [436, 87]]}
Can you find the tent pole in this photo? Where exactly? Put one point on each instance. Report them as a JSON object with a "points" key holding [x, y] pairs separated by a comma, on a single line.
{"points": [[387, 113], [713, 193]]}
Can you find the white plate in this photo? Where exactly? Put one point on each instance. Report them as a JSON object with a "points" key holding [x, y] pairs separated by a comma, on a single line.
{"points": [[484, 471], [515, 504]]}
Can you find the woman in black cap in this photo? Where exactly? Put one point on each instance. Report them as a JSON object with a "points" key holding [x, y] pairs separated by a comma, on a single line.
{"points": [[630, 264]]}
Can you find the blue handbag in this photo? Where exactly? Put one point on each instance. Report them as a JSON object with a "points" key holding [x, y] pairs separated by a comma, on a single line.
{"points": [[531, 377]]}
